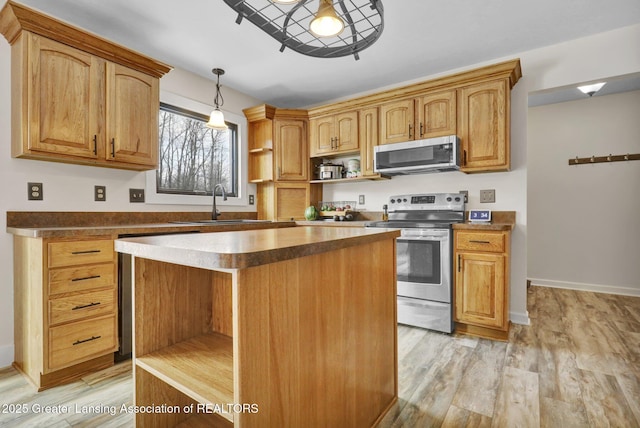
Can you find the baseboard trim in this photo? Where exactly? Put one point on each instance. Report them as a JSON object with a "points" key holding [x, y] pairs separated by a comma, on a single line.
{"points": [[596, 288], [520, 318], [6, 355]]}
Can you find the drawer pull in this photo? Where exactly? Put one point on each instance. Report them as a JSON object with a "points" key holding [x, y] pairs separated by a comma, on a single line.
{"points": [[85, 252], [78, 342], [85, 278], [480, 242], [85, 306]]}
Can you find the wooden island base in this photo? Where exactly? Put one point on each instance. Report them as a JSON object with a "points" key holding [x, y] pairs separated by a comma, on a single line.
{"points": [[308, 341]]}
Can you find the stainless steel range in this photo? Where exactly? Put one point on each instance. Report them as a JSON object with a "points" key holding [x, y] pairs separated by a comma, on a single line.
{"points": [[424, 259]]}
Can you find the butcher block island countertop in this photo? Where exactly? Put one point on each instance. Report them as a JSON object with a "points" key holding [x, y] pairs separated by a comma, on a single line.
{"points": [[275, 327]]}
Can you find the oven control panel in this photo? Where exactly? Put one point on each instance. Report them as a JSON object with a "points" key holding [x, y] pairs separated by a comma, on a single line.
{"points": [[427, 202]]}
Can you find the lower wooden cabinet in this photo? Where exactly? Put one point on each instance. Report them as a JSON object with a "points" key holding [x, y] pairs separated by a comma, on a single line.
{"points": [[284, 201], [65, 307], [481, 261]]}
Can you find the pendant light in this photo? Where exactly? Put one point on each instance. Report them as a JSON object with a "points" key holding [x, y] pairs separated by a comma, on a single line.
{"points": [[216, 120], [326, 23]]}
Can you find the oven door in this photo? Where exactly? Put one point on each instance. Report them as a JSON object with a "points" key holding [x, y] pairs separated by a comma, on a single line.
{"points": [[424, 264]]}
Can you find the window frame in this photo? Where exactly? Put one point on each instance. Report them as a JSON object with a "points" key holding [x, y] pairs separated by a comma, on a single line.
{"points": [[183, 103]]}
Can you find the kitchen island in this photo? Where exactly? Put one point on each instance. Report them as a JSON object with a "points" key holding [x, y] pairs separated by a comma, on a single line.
{"points": [[274, 327]]}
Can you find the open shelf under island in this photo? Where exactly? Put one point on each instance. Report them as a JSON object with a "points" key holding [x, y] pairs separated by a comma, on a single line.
{"points": [[275, 327]]}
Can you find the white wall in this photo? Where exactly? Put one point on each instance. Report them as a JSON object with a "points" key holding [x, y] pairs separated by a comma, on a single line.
{"points": [[583, 229], [70, 187]]}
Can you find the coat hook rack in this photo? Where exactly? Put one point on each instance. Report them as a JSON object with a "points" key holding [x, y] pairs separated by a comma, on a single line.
{"points": [[600, 159]]}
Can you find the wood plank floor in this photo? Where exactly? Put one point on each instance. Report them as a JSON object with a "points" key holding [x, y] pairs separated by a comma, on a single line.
{"points": [[576, 365]]}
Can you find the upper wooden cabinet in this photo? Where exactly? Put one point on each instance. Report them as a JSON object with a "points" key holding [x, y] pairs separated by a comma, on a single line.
{"points": [[335, 134], [291, 153], [132, 116], [437, 114], [78, 98], [368, 136], [427, 116], [278, 144], [483, 120], [397, 121]]}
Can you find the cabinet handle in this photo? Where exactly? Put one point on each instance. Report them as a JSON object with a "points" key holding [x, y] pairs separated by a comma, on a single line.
{"points": [[85, 306], [78, 342], [479, 242], [410, 129], [337, 140], [459, 263], [85, 278], [113, 147], [421, 130], [95, 144], [85, 252], [464, 157]]}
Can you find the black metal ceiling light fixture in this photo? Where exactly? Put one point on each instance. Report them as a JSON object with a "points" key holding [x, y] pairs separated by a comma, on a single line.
{"points": [[318, 28]]}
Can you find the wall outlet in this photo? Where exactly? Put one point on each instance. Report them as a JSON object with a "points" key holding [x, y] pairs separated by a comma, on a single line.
{"points": [[136, 195], [466, 195], [34, 191], [100, 193], [487, 196], [251, 200], [361, 200]]}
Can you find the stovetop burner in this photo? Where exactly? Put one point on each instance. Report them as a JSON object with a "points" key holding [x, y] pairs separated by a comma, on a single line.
{"points": [[425, 210]]}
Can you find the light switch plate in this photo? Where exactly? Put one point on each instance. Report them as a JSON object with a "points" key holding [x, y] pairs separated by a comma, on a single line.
{"points": [[487, 196], [136, 195], [361, 200]]}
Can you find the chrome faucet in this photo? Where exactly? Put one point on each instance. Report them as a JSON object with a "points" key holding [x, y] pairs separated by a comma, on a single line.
{"points": [[214, 212]]}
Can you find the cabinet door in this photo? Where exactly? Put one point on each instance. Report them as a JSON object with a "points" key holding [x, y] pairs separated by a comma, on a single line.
{"points": [[480, 289], [63, 102], [346, 125], [437, 115], [484, 126], [132, 116], [396, 121], [291, 154], [368, 134], [322, 134]]}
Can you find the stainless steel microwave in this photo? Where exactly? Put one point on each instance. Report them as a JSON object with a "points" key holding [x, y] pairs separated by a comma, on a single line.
{"points": [[418, 156]]}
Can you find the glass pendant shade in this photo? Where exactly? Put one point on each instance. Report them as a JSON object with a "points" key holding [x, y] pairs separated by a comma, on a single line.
{"points": [[216, 121], [326, 23]]}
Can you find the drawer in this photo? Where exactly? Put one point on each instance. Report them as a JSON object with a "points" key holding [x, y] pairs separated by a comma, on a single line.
{"points": [[71, 253], [74, 343], [69, 280], [82, 306], [481, 241]]}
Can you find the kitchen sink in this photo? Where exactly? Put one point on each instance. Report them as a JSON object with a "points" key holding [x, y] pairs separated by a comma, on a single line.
{"points": [[230, 221]]}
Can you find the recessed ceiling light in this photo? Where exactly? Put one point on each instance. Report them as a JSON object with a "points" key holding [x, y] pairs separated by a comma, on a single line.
{"points": [[591, 89]]}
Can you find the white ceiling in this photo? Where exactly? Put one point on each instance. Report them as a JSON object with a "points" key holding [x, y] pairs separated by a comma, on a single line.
{"points": [[420, 38]]}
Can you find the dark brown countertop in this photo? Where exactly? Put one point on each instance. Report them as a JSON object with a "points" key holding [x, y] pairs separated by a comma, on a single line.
{"points": [[139, 229], [58, 224], [242, 249]]}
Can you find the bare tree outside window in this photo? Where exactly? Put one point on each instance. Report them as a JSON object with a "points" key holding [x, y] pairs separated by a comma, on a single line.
{"points": [[194, 158]]}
